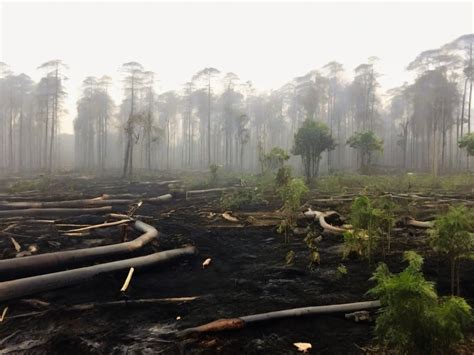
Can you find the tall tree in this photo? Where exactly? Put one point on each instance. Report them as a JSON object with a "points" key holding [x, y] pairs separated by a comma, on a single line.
{"points": [[206, 75]]}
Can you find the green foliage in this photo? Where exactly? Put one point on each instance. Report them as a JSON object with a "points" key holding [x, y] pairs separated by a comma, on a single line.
{"points": [[394, 183], [291, 194], [341, 271], [213, 169], [467, 142], [275, 158], [311, 140], [452, 235], [312, 241], [366, 143], [242, 197], [413, 319], [372, 221], [283, 177], [355, 243], [290, 257], [42, 184]]}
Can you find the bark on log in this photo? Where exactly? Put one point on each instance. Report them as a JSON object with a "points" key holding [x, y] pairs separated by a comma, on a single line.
{"points": [[208, 191], [92, 202], [48, 212], [320, 216], [419, 224], [31, 285], [36, 264], [241, 322]]}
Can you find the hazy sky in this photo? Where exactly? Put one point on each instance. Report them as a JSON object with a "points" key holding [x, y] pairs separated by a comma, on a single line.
{"points": [[267, 43]]}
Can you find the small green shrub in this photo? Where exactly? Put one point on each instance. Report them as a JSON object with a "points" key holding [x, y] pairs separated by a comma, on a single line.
{"points": [[290, 257], [291, 194], [355, 244], [341, 271], [413, 319], [275, 159], [214, 169], [241, 197], [372, 221], [283, 176], [42, 184], [312, 240], [452, 236]]}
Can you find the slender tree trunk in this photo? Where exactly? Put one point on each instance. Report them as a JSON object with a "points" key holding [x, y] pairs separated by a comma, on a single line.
{"points": [[209, 121]]}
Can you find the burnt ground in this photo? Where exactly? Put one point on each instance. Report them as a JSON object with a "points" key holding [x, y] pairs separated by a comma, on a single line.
{"points": [[247, 275]]}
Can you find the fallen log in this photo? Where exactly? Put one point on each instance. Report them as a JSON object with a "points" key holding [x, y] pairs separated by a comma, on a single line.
{"points": [[36, 264], [321, 217], [103, 200], [241, 322], [419, 224], [48, 212], [97, 226], [213, 191], [31, 285]]}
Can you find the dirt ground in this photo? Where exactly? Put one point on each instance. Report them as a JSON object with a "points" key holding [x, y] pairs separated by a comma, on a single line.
{"points": [[247, 275]]}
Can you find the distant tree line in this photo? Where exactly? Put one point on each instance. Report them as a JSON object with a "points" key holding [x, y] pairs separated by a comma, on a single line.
{"points": [[217, 118]]}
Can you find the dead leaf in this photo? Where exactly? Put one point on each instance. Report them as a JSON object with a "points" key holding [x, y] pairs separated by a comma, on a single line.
{"points": [[229, 218], [33, 248], [303, 347], [206, 263]]}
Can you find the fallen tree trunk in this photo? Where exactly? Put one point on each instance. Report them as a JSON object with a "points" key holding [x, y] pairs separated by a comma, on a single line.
{"points": [[36, 264], [241, 322], [48, 212], [321, 217], [419, 224], [97, 226], [208, 191], [31, 285], [92, 202]]}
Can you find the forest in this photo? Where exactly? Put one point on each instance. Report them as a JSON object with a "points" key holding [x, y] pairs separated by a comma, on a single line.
{"points": [[218, 118], [328, 215]]}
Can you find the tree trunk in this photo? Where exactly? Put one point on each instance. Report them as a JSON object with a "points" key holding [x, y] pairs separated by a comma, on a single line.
{"points": [[31, 285]]}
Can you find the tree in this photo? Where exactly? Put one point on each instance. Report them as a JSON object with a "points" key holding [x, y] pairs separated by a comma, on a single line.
{"points": [[206, 75], [366, 144], [133, 84], [311, 140], [413, 319], [467, 142], [452, 235], [275, 159], [243, 134], [54, 74]]}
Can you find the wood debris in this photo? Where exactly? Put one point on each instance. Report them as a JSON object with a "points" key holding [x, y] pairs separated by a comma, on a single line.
{"points": [[303, 347]]}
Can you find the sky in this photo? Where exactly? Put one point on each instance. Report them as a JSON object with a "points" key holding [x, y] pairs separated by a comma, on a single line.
{"points": [[266, 42]]}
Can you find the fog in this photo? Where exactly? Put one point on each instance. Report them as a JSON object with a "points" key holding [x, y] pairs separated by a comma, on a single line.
{"points": [[109, 86]]}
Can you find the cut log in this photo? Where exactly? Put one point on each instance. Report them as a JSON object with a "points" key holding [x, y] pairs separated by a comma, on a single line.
{"points": [[419, 224], [31, 285], [49, 212], [217, 190], [241, 322], [103, 200], [36, 264], [103, 225], [321, 217]]}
